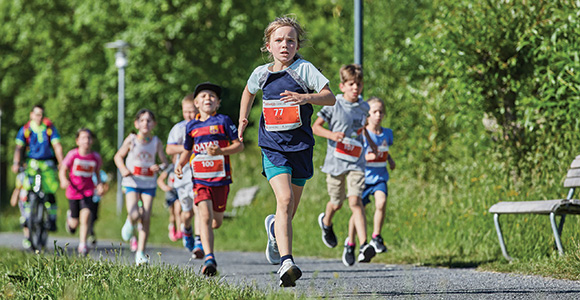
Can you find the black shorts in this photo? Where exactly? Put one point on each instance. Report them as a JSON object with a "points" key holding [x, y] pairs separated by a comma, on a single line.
{"points": [[77, 205]]}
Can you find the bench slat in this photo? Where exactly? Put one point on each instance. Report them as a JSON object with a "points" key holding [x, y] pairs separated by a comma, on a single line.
{"points": [[576, 162], [572, 182], [559, 206], [573, 173]]}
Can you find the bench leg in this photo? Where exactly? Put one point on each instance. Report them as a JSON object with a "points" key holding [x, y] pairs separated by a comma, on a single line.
{"points": [[556, 232], [500, 237]]}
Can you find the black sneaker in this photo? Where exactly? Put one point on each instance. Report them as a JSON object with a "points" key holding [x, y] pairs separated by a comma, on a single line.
{"points": [[348, 254], [379, 245], [209, 268], [328, 236], [367, 252]]}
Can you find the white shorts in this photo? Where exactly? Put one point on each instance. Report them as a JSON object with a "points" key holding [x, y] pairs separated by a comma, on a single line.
{"points": [[185, 195]]}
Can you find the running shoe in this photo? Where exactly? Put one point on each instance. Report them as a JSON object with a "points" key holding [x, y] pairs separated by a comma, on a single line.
{"points": [[272, 254], [188, 242], [26, 244], [141, 258], [328, 236], [289, 273], [83, 250], [172, 233], [209, 267], [366, 253], [66, 226], [127, 230], [178, 234], [198, 250], [92, 240], [379, 245], [348, 254], [133, 243]]}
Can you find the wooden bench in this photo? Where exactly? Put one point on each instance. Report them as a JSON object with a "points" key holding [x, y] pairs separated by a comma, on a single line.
{"points": [[553, 208]]}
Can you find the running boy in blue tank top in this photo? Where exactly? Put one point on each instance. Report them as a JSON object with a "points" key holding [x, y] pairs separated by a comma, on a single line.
{"points": [[285, 136], [211, 138]]}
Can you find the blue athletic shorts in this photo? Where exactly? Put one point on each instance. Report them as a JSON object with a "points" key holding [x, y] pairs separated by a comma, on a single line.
{"points": [[371, 189], [150, 192], [271, 170], [171, 197]]}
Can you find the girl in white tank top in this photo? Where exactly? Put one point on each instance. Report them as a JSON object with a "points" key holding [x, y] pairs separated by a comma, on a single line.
{"points": [[139, 173]]}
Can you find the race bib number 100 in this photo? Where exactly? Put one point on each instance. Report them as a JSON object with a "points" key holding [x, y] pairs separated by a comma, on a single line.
{"points": [[207, 166], [279, 116]]}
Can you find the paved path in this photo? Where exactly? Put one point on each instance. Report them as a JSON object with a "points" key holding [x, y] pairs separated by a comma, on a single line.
{"points": [[330, 278]]}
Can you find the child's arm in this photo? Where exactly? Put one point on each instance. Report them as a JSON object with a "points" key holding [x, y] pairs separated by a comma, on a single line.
{"points": [[319, 130], [325, 97], [173, 149], [392, 164], [245, 107], [100, 188], [14, 197], [183, 159], [64, 182], [120, 157], [235, 147], [162, 157], [161, 181]]}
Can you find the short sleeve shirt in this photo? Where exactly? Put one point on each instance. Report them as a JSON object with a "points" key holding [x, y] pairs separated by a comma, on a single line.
{"points": [[177, 137], [374, 175], [217, 130], [81, 169], [349, 118], [301, 77], [39, 146]]}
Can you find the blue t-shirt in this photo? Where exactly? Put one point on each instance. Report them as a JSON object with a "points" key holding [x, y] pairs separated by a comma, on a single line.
{"points": [[300, 77], [39, 146], [374, 175], [217, 130]]}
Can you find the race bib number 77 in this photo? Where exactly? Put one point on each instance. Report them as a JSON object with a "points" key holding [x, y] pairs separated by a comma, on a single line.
{"points": [[280, 116]]}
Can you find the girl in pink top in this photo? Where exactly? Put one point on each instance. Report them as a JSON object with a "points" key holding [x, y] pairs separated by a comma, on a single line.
{"points": [[80, 164]]}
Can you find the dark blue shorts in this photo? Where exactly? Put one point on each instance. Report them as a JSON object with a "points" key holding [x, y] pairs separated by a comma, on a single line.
{"points": [[371, 189], [150, 192], [297, 164]]}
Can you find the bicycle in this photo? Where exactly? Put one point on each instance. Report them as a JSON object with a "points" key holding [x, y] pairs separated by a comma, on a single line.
{"points": [[38, 218]]}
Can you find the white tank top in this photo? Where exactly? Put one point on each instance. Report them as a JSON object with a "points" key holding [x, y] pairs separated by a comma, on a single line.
{"points": [[140, 157]]}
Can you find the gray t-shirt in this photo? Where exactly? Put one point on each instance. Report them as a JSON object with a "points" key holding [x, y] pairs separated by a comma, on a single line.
{"points": [[349, 118]]}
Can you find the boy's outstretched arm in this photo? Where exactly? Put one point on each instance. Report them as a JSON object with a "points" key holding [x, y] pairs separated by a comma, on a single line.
{"points": [[319, 130], [245, 107], [324, 97]]}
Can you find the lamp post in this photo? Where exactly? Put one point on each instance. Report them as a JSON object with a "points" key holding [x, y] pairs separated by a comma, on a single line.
{"points": [[121, 62]]}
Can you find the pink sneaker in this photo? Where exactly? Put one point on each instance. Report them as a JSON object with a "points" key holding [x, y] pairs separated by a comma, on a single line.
{"points": [[133, 242], [172, 233], [178, 234]]}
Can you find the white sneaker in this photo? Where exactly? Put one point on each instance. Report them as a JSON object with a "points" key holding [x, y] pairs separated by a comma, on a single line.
{"points": [[127, 230], [141, 258], [272, 254], [289, 273]]}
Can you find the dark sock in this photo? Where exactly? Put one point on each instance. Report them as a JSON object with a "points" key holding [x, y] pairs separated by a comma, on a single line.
{"points": [[210, 256], [285, 257]]}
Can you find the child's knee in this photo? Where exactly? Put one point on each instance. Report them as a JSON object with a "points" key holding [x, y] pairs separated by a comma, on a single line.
{"points": [[216, 224]]}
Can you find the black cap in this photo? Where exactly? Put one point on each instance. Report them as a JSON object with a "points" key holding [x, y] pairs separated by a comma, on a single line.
{"points": [[208, 86]]}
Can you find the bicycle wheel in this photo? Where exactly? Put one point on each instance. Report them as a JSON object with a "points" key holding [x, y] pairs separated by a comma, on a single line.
{"points": [[36, 222]]}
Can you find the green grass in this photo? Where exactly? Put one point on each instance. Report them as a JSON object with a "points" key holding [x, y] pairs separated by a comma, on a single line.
{"points": [[429, 222], [59, 276]]}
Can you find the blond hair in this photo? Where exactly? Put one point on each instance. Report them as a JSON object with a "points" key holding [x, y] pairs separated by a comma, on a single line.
{"points": [[282, 22], [373, 99], [188, 99], [351, 72]]}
